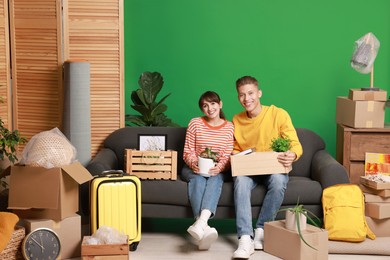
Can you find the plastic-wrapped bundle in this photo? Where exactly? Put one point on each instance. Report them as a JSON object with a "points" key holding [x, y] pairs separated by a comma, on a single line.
{"points": [[49, 149], [366, 49]]}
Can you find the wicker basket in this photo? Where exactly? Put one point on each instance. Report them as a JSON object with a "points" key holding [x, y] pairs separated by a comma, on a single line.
{"points": [[14, 247]]}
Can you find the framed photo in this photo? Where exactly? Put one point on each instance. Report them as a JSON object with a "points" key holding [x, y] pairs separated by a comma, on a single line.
{"points": [[152, 142]]}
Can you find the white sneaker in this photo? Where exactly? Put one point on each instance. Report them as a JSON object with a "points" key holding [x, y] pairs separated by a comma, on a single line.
{"points": [[209, 237], [245, 247], [197, 229], [259, 238]]}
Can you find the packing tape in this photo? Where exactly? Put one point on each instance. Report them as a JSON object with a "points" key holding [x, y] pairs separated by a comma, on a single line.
{"points": [[370, 106], [369, 124]]}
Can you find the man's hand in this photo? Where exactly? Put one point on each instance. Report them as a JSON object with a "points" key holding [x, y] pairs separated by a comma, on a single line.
{"points": [[287, 158]]}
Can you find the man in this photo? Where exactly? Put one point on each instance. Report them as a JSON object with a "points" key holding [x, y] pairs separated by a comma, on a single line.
{"points": [[255, 128]]}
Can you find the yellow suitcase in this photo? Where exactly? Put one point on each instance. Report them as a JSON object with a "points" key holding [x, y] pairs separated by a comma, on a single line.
{"points": [[115, 201]]}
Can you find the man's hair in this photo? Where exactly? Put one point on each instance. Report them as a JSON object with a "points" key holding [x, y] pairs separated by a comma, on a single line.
{"points": [[246, 80]]}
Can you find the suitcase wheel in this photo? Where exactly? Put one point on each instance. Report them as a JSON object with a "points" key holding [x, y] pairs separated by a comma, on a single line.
{"points": [[133, 246]]}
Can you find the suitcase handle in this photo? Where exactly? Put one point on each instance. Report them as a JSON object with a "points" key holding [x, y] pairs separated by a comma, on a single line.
{"points": [[112, 173]]}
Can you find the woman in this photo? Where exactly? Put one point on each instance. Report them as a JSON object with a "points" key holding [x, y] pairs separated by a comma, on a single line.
{"points": [[211, 131]]}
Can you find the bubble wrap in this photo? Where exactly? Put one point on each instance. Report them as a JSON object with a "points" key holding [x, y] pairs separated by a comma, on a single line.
{"points": [[49, 149]]}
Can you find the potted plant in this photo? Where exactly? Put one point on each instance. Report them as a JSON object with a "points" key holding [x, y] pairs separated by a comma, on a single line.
{"points": [[9, 140], [206, 160], [296, 218], [144, 99]]}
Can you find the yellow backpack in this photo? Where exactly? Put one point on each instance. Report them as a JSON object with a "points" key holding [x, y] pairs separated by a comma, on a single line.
{"points": [[344, 216]]}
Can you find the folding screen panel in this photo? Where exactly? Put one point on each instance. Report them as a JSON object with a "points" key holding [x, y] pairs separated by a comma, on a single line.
{"points": [[93, 31]]}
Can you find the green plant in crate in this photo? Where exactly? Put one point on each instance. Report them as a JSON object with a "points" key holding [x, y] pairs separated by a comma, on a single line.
{"points": [[280, 144], [144, 99]]}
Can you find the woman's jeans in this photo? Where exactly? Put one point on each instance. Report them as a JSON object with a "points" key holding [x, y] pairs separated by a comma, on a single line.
{"points": [[276, 186], [203, 192]]}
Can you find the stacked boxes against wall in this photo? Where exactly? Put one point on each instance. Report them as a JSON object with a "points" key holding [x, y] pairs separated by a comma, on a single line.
{"points": [[377, 205], [362, 109], [49, 198]]}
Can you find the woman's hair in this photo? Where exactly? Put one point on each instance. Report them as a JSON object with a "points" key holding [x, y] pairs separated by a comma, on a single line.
{"points": [[210, 96], [246, 80]]}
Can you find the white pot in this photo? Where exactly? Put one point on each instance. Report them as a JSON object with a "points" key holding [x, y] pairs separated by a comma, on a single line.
{"points": [[291, 223], [204, 165]]}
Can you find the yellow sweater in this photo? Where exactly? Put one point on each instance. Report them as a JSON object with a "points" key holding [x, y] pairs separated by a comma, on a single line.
{"points": [[258, 132]]}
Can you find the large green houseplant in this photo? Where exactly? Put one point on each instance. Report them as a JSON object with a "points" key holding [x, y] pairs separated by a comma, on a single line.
{"points": [[144, 99], [9, 141]]}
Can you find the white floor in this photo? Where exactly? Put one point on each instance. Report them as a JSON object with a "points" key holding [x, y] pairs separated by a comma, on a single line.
{"points": [[171, 246]]}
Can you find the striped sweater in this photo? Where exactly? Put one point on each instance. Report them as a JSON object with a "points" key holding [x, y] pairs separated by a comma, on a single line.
{"points": [[201, 135]]}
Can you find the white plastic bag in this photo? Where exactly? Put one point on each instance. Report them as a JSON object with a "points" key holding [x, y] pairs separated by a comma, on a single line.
{"points": [[366, 49], [49, 149]]}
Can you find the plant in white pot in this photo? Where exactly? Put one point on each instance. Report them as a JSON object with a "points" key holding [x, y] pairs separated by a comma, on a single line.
{"points": [[206, 160], [296, 218]]}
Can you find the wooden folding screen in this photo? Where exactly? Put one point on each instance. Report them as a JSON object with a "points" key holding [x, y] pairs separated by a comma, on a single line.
{"points": [[43, 35], [5, 91], [94, 32]]}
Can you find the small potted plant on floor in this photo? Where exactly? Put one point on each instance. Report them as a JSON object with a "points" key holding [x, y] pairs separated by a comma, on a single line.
{"points": [[296, 218]]}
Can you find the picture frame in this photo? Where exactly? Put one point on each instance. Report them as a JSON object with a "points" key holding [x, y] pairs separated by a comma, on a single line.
{"points": [[152, 142]]}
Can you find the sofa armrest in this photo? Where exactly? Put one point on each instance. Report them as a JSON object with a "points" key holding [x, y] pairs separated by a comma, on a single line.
{"points": [[105, 159], [326, 170]]}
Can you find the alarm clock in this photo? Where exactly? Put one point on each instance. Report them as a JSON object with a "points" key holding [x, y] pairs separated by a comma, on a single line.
{"points": [[41, 243]]}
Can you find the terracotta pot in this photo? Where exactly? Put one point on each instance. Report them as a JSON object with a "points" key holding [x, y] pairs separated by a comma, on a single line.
{"points": [[291, 223]]}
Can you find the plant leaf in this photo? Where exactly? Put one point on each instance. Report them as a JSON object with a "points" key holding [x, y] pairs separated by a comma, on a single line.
{"points": [[151, 84]]}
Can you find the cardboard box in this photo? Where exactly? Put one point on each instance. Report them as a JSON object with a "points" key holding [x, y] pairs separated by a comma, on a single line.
{"points": [[109, 251], [68, 230], [380, 227], [375, 198], [257, 163], [373, 184], [151, 164], [382, 193], [360, 114], [286, 244], [37, 192], [358, 94], [377, 210]]}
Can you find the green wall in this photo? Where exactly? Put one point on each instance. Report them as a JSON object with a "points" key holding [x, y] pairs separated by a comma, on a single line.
{"points": [[298, 50]]}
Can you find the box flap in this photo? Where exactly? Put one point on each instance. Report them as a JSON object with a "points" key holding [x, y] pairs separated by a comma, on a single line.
{"points": [[78, 172], [29, 189]]}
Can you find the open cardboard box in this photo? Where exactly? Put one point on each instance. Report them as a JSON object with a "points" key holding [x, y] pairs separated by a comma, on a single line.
{"points": [[38, 192], [257, 163], [287, 244]]}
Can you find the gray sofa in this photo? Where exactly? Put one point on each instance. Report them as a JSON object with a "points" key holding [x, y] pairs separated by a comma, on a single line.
{"points": [[313, 172]]}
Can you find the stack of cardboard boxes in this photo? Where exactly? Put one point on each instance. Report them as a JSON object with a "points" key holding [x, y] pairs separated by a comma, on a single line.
{"points": [[377, 205], [49, 198], [362, 109]]}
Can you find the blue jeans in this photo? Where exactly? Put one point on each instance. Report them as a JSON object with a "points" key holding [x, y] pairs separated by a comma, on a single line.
{"points": [[203, 192], [276, 186]]}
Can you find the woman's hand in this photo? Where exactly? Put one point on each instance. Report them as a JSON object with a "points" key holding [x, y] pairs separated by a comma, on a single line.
{"points": [[287, 158], [214, 171]]}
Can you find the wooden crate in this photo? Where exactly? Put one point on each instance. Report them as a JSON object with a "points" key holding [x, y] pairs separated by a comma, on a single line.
{"points": [[257, 163], [151, 164], [108, 251]]}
